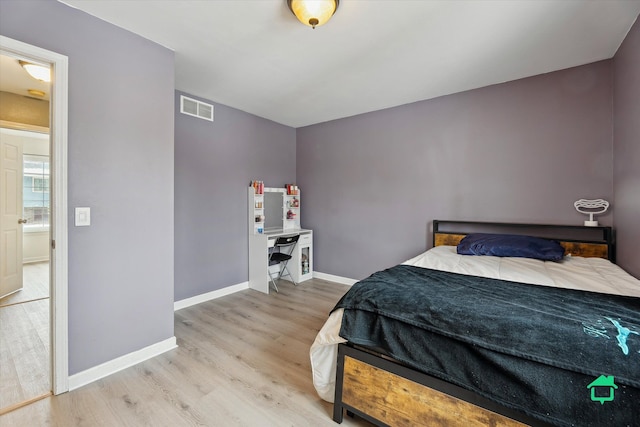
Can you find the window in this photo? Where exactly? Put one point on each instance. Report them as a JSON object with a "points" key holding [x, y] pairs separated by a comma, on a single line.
{"points": [[40, 185], [35, 192]]}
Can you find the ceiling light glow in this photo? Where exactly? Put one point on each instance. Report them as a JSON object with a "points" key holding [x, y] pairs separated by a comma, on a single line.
{"points": [[313, 12]]}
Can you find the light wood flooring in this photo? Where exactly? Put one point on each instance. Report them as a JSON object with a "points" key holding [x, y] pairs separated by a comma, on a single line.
{"points": [[24, 339], [242, 360], [36, 285]]}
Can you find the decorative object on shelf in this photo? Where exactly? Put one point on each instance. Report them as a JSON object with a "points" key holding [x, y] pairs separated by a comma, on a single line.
{"points": [[292, 189], [258, 186], [305, 264], [591, 208], [293, 203], [291, 215], [313, 12]]}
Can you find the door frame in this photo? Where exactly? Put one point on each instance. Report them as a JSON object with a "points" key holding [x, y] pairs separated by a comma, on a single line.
{"points": [[58, 267]]}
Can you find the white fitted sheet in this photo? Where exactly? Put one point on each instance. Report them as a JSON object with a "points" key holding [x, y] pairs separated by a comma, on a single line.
{"points": [[590, 274]]}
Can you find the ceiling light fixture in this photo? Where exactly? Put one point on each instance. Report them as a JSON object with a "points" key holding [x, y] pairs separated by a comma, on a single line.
{"points": [[36, 92], [38, 72], [313, 12]]}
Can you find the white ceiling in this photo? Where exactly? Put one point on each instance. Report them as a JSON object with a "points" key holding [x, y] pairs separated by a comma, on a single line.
{"points": [[14, 79], [255, 56]]}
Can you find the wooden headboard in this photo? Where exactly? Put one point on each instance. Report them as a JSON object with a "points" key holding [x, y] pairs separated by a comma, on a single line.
{"points": [[576, 240]]}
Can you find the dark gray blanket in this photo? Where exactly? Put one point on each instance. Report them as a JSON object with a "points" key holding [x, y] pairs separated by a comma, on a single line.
{"points": [[533, 348]]}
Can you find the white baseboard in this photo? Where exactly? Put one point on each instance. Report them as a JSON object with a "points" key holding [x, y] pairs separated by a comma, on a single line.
{"points": [[188, 302], [332, 278], [111, 367]]}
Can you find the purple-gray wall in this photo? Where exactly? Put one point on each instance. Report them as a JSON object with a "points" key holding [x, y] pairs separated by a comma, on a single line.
{"points": [[214, 163], [120, 163], [626, 150], [521, 151]]}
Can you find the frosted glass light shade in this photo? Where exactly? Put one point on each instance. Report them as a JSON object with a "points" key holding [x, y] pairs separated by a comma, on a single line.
{"points": [[38, 72], [313, 12]]}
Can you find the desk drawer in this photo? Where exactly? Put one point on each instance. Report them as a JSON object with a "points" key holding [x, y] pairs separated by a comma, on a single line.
{"points": [[305, 238]]}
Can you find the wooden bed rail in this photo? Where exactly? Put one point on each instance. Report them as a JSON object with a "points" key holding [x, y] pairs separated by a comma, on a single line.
{"points": [[387, 393]]}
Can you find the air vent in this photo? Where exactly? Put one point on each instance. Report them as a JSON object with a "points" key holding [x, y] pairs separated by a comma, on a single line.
{"points": [[195, 108]]}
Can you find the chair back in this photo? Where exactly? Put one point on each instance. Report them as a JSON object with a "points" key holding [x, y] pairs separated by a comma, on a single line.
{"points": [[284, 241]]}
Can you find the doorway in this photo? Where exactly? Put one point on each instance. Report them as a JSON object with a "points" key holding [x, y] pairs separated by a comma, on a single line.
{"points": [[55, 331], [25, 350]]}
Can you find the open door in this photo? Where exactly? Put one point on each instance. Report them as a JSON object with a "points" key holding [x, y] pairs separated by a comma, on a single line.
{"points": [[11, 221]]}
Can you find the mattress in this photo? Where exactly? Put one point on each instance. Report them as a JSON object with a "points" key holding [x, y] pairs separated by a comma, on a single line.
{"points": [[590, 274]]}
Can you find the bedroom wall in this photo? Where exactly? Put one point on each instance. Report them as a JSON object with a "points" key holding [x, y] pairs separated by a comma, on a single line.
{"points": [[521, 151], [626, 150], [120, 163], [214, 163]]}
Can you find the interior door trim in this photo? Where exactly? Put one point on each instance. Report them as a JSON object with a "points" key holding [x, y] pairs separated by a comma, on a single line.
{"points": [[59, 232]]}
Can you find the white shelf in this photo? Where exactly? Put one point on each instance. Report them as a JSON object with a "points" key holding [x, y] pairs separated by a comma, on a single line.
{"points": [[301, 265], [255, 227]]}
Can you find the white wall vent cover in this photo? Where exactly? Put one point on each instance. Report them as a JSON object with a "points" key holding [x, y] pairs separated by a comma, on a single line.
{"points": [[195, 108]]}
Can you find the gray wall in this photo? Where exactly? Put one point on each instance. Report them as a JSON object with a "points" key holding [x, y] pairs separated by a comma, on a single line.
{"points": [[121, 90], [626, 154], [521, 151], [214, 163]]}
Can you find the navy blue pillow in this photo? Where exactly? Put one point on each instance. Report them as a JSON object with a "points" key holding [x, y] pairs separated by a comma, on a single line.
{"points": [[510, 245]]}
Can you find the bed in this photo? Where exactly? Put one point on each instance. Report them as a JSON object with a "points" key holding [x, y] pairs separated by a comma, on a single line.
{"points": [[490, 340]]}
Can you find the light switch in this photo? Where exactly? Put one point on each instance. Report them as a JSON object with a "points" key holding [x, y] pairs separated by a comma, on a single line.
{"points": [[83, 217]]}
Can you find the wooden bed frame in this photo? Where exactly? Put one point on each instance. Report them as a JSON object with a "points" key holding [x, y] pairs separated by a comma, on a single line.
{"points": [[388, 393]]}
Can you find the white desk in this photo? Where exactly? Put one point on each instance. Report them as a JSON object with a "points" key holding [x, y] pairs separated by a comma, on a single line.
{"points": [[259, 245], [277, 232]]}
